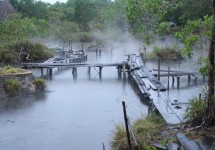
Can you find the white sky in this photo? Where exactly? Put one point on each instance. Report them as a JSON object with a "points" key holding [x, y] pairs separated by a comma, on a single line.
{"points": [[53, 1]]}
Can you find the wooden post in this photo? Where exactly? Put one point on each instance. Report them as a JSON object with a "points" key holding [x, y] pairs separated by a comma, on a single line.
{"points": [[50, 71], [100, 70], [74, 70], [126, 125], [159, 69], [200, 95], [189, 79], [103, 146], [89, 68], [203, 78], [71, 45], [42, 71], [178, 81], [168, 79], [82, 46], [195, 80], [173, 80], [123, 68]]}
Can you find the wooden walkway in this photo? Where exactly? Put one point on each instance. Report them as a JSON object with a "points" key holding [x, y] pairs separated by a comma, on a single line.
{"points": [[49, 64], [150, 86]]}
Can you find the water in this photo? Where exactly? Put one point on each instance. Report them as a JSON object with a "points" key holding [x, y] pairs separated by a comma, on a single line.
{"points": [[76, 113]]}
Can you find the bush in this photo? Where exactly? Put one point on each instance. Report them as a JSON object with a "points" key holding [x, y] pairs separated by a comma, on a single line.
{"points": [[12, 87], [195, 111], [40, 83], [145, 130], [30, 51], [167, 53]]}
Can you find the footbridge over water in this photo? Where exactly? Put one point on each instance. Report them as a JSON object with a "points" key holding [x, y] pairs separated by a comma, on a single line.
{"points": [[146, 80]]}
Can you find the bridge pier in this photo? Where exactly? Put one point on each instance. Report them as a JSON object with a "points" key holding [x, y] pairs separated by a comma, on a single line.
{"points": [[74, 70], [100, 70], [189, 79], [41, 71], [89, 69], [178, 82], [173, 81]]}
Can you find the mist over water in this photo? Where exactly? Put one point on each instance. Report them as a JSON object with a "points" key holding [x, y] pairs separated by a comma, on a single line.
{"points": [[80, 112]]}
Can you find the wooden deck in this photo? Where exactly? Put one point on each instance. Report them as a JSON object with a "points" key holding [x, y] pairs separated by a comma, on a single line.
{"points": [[150, 86]]}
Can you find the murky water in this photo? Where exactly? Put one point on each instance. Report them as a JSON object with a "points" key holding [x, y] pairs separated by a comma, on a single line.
{"points": [[77, 113]]}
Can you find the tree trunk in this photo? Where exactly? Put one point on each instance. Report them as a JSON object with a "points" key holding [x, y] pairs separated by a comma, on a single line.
{"points": [[209, 109]]}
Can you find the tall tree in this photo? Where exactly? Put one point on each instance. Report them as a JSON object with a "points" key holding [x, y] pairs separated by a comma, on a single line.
{"points": [[209, 118]]}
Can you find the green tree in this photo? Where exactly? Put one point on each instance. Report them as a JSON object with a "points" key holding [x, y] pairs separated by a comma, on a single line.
{"points": [[85, 11], [31, 8]]}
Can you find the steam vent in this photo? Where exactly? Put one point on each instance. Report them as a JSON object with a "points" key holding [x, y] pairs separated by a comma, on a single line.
{"points": [[5, 9]]}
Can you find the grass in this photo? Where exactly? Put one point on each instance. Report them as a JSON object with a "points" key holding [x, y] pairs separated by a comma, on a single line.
{"points": [[146, 131], [9, 70], [12, 86], [195, 111]]}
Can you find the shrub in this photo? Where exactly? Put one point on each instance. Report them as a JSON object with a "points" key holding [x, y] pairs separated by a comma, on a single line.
{"points": [[145, 131], [12, 87], [40, 83], [165, 53], [195, 111]]}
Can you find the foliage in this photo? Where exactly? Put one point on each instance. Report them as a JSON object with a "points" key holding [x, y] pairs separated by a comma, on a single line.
{"points": [[24, 51], [12, 86], [195, 111], [145, 131], [195, 32], [40, 83], [165, 53], [85, 37]]}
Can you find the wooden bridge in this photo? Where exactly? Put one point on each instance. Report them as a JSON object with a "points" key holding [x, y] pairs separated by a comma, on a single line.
{"points": [[149, 85], [147, 81], [49, 65]]}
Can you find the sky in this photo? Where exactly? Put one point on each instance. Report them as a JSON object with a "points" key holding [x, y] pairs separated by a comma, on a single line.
{"points": [[53, 1]]}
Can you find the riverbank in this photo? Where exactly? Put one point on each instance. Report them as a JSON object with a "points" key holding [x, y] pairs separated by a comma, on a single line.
{"points": [[152, 133]]}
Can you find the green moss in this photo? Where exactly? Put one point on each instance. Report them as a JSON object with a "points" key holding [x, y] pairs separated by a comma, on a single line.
{"points": [[12, 87]]}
